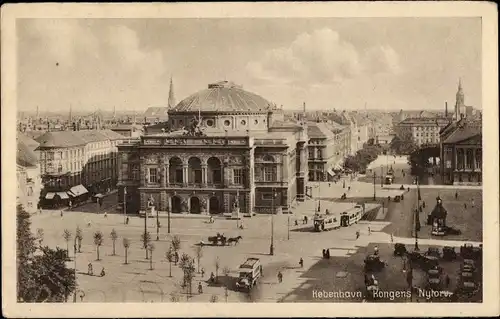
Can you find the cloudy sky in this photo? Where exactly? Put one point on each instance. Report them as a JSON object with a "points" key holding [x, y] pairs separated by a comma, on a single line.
{"points": [[343, 63]]}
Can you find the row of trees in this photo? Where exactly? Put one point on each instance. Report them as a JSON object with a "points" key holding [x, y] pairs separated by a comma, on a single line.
{"points": [[403, 146], [363, 157]]}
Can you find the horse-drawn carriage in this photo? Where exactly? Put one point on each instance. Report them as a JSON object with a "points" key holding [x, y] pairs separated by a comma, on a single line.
{"points": [[221, 240]]}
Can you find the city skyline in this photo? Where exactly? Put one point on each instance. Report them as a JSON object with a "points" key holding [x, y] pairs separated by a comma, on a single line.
{"points": [[401, 63]]}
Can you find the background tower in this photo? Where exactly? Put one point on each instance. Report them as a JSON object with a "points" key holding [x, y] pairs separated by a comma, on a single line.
{"points": [[171, 97]]}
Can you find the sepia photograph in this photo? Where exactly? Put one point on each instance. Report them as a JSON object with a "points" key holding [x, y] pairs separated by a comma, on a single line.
{"points": [[237, 158]]}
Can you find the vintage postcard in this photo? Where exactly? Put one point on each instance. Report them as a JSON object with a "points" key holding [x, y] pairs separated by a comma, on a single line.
{"points": [[250, 159]]}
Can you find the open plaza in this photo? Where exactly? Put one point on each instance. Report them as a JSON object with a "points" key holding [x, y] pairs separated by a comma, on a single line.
{"points": [[292, 239]]}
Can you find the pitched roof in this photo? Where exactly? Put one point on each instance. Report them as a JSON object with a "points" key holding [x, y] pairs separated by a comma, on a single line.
{"points": [[319, 130], [112, 135], [156, 111], [28, 141], [463, 133], [90, 136], [25, 156], [60, 139]]}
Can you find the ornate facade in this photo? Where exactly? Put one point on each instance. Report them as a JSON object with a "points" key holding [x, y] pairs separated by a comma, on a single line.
{"points": [[227, 148]]}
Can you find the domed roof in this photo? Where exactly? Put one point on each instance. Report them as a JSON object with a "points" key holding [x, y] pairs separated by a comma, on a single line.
{"points": [[223, 97]]}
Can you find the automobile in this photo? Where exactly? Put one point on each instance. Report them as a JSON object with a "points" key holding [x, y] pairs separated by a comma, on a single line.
{"points": [[466, 276], [400, 249], [434, 273], [467, 288], [449, 253], [434, 283], [373, 263], [433, 251], [425, 262], [467, 268]]}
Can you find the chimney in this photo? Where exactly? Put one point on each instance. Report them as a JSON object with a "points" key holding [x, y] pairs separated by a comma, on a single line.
{"points": [[445, 109]]}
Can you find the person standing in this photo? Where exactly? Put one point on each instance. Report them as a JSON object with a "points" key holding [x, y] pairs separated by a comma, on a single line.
{"points": [[200, 288], [456, 195], [473, 203], [280, 277], [357, 234], [369, 231], [392, 238], [301, 262]]}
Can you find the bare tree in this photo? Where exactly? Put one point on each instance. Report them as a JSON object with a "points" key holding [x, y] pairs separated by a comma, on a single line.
{"points": [[151, 248], [114, 237], [187, 265], [170, 257], [79, 238], [217, 266], [176, 245], [67, 237], [146, 239], [126, 245], [226, 271], [98, 239], [39, 236], [199, 253]]}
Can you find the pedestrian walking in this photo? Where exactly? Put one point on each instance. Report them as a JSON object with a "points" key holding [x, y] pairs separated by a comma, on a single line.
{"points": [[327, 253], [90, 270], [200, 288], [126, 222], [456, 195], [296, 223], [105, 214], [329, 184], [423, 204], [357, 234], [301, 262], [202, 272], [465, 205], [103, 273], [375, 250], [472, 202], [280, 277], [369, 231], [61, 213], [324, 253], [392, 238], [349, 188]]}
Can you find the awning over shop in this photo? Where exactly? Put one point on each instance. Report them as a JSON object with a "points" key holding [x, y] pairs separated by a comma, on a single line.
{"points": [[78, 190], [63, 195], [50, 195]]}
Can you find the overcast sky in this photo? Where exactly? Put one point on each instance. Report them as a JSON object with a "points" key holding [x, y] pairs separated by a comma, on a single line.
{"points": [[343, 63]]}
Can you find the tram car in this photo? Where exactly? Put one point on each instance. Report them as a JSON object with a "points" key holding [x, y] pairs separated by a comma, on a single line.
{"points": [[351, 217], [324, 223]]}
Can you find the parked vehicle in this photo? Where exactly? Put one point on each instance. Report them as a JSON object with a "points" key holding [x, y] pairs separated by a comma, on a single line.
{"points": [[449, 253], [373, 263], [400, 249], [433, 251]]}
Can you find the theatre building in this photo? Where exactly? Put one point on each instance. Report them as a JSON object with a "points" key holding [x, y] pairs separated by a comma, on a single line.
{"points": [[222, 149]]}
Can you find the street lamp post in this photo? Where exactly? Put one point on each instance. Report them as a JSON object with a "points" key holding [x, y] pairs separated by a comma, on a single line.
{"points": [[271, 248], [374, 186], [288, 222], [381, 176], [157, 226], [125, 204], [319, 196]]}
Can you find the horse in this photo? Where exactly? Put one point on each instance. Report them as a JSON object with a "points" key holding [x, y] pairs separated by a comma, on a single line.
{"points": [[234, 240]]}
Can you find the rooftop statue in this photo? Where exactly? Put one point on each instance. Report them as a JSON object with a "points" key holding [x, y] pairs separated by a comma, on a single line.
{"points": [[194, 128]]}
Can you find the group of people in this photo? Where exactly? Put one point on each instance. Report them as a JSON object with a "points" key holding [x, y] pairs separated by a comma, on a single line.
{"points": [[326, 253], [90, 270]]}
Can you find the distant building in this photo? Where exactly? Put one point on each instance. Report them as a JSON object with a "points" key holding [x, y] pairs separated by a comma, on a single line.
{"points": [[322, 158], [384, 139], [128, 130], [421, 130]]}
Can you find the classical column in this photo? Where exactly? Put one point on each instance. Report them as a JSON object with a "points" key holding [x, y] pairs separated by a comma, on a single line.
{"points": [[204, 174], [474, 159], [185, 174], [456, 159], [465, 158], [167, 175]]}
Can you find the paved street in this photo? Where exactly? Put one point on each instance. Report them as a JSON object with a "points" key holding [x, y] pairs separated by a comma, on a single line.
{"points": [[135, 282]]}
